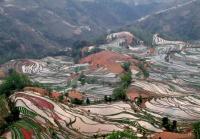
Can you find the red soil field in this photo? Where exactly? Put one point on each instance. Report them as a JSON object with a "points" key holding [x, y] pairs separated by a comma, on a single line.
{"points": [[170, 135], [107, 59], [40, 103]]}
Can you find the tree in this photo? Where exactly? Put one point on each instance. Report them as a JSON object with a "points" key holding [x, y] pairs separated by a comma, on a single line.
{"points": [[122, 135], [61, 98], [82, 79], [15, 81], [77, 101], [105, 98], [174, 126], [119, 93], [109, 99], [54, 136], [126, 79], [88, 101], [166, 123], [143, 69], [196, 130], [14, 116], [126, 66], [146, 73], [76, 70], [139, 100]]}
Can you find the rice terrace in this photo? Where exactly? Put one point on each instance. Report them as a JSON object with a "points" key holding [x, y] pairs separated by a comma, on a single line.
{"points": [[92, 69]]}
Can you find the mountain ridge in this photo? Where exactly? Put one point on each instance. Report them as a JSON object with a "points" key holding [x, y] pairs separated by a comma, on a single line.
{"points": [[35, 28], [179, 23]]}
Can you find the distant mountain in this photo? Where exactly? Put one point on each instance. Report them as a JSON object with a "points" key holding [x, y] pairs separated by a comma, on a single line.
{"points": [[180, 22], [33, 28]]}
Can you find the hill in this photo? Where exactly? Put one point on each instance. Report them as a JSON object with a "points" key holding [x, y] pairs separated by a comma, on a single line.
{"points": [[180, 22], [34, 28]]}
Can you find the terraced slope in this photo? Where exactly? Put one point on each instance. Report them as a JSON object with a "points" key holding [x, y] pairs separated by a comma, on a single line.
{"points": [[41, 115], [173, 82]]}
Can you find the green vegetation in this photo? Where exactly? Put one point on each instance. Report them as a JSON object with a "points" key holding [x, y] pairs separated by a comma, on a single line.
{"points": [[126, 79], [107, 98], [77, 101], [54, 136], [139, 101], [196, 130], [168, 126], [122, 135], [10, 118], [27, 112], [143, 69], [166, 123], [119, 93], [14, 82], [77, 52], [142, 35], [88, 101], [4, 109], [61, 98], [27, 124], [126, 66], [82, 79], [9, 114]]}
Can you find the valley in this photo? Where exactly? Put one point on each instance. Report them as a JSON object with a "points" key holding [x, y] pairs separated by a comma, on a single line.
{"points": [[99, 69], [165, 83]]}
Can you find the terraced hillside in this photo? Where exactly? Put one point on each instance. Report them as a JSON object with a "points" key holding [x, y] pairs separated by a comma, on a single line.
{"points": [[173, 81], [40, 114], [165, 84], [49, 70]]}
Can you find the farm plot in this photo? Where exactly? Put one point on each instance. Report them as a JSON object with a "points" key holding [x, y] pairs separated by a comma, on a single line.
{"points": [[174, 80], [55, 113], [52, 71], [122, 112], [180, 108], [84, 120], [160, 89], [24, 66], [182, 68], [95, 91], [103, 75]]}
